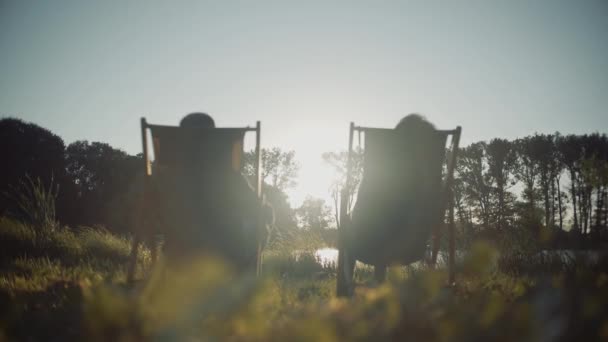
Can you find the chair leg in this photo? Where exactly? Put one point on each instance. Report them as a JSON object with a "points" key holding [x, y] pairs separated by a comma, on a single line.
{"points": [[341, 288], [380, 273], [258, 260], [350, 273], [452, 248], [435, 244], [133, 259], [345, 274], [153, 251]]}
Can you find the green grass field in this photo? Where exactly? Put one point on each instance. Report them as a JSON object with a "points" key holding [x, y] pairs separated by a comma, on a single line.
{"points": [[62, 284]]}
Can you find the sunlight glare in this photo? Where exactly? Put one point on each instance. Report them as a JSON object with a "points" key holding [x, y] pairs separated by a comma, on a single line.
{"points": [[315, 178], [327, 255]]}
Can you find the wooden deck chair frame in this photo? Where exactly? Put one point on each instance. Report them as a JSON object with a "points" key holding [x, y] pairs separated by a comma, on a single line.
{"points": [[346, 263], [139, 239]]}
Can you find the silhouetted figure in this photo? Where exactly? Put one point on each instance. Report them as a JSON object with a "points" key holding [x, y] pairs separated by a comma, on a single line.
{"points": [[205, 206], [198, 120], [415, 124], [398, 200]]}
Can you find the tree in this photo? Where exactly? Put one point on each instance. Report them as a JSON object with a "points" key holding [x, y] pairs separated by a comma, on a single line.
{"points": [[502, 163], [285, 216], [472, 170], [541, 151], [570, 150], [29, 150], [528, 174], [461, 207], [279, 173], [100, 174], [279, 170], [594, 181], [339, 162], [314, 214]]}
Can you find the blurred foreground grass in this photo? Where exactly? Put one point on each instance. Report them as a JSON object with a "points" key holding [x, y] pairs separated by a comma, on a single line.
{"points": [[64, 284]]}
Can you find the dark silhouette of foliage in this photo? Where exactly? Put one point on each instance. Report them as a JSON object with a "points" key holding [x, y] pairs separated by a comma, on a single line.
{"points": [[100, 175], [29, 150], [502, 162], [489, 173], [35, 203], [570, 151], [472, 169], [528, 173], [540, 181]]}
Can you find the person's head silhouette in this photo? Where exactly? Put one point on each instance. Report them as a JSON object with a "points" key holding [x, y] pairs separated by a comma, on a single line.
{"points": [[198, 120], [414, 123]]}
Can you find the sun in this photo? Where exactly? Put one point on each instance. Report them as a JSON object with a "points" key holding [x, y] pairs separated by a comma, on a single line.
{"points": [[314, 179]]}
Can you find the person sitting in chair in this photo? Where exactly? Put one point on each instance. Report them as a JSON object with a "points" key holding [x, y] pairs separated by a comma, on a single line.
{"points": [[217, 213], [394, 197]]}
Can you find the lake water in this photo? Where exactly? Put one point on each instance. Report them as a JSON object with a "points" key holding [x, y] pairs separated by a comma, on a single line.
{"points": [[330, 255], [327, 255]]}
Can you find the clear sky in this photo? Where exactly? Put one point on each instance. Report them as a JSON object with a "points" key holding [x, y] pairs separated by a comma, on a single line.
{"points": [[89, 70]]}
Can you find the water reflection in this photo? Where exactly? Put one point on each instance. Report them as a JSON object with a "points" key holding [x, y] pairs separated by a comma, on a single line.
{"points": [[330, 255], [327, 255]]}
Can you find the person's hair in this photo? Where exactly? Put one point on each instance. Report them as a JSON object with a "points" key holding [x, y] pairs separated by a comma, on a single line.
{"points": [[199, 120], [414, 123]]}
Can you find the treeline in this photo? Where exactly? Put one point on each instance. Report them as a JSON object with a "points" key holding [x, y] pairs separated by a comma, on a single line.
{"points": [[93, 182], [550, 188], [91, 179], [546, 183]]}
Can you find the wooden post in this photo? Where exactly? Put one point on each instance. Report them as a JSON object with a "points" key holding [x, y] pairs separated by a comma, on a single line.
{"points": [[144, 142], [380, 273], [258, 190], [451, 228], [443, 205], [446, 200], [344, 272], [349, 161], [137, 238]]}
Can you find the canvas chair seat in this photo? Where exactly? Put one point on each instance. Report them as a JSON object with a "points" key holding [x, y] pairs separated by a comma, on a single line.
{"points": [[399, 199], [212, 150], [200, 187], [194, 195], [402, 201]]}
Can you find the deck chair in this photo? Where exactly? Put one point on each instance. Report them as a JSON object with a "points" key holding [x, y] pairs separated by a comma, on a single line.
{"points": [[211, 160], [401, 203]]}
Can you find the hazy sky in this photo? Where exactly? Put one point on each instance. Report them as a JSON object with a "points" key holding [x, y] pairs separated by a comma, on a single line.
{"points": [[89, 70]]}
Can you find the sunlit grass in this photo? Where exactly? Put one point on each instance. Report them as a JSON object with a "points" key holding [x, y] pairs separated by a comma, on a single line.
{"points": [[71, 284]]}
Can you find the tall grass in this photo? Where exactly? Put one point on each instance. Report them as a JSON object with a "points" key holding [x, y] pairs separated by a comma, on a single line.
{"points": [[294, 300], [70, 284], [203, 301], [34, 202], [18, 239]]}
